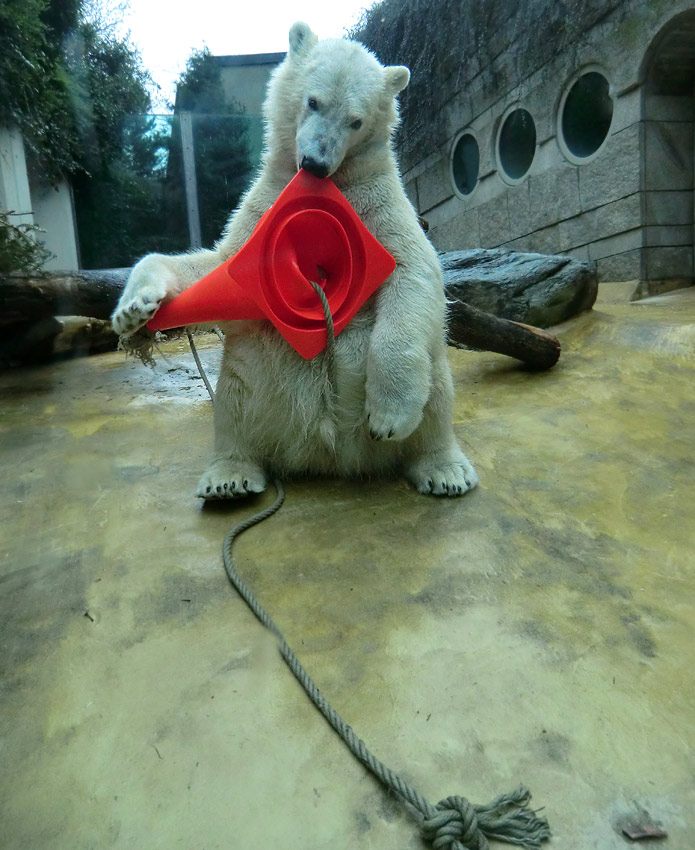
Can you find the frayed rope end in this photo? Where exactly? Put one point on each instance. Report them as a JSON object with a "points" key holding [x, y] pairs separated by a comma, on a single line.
{"points": [[460, 825], [141, 344]]}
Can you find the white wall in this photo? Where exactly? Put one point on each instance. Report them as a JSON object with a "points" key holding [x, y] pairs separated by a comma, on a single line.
{"points": [[14, 182], [33, 201], [53, 212]]}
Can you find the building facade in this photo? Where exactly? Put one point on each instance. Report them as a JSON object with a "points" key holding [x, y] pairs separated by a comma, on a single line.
{"points": [[588, 151]]}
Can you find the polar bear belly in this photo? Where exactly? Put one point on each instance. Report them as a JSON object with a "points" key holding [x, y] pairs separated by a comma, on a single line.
{"points": [[290, 416]]}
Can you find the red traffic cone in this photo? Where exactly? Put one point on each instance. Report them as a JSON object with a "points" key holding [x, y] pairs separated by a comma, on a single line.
{"points": [[310, 233]]}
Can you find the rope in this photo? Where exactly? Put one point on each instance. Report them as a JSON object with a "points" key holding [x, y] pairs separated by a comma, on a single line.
{"points": [[200, 365], [454, 823], [328, 363]]}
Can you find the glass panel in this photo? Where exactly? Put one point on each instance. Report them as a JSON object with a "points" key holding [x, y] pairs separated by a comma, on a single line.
{"points": [[587, 114], [136, 204], [517, 143], [227, 151], [465, 163]]}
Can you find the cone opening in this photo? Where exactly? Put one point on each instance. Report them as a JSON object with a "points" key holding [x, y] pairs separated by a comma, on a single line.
{"points": [[312, 244]]}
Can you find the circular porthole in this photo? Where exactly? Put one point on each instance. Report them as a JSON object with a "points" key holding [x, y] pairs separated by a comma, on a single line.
{"points": [[585, 116], [516, 144], [465, 163]]}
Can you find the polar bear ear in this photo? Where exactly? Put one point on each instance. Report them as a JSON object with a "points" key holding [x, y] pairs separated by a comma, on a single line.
{"points": [[302, 39], [397, 78]]}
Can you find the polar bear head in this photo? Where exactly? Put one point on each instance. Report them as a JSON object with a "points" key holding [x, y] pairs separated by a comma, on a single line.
{"points": [[329, 103]]}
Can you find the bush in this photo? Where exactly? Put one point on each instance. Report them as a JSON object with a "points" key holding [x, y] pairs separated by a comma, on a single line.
{"points": [[19, 252]]}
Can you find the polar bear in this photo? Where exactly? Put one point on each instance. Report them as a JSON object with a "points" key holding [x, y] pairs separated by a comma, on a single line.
{"points": [[385, 405]]}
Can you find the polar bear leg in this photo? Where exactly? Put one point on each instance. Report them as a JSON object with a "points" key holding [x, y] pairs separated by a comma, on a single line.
{"points": [[435, 463], [233, 472], [154, 280]]}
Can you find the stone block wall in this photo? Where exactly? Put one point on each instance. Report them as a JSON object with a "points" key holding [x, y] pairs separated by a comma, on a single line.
{"points": [[629, 207], [668, 186]]}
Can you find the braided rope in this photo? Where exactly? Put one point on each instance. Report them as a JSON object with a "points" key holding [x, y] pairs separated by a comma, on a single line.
{"points": [[329, 358], [201, 371], [454, 823]]}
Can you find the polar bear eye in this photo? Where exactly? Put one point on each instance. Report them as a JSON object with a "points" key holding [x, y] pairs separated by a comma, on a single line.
{"points": [[312, 103], [356, 124]]}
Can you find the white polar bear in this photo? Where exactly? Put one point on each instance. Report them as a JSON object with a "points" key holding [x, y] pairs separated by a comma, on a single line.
{"points": [[331, 110]]}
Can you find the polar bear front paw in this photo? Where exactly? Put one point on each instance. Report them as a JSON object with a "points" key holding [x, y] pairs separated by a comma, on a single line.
{"points": [[231, 479], [443, 476], [392, 424], [150, 281], [135, 312]]}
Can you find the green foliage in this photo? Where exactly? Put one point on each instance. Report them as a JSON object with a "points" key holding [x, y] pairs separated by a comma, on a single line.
{"points": [[80, 97], [116, 192], [65, 85], [33, 94], [200, 87], [121, 210], [19, 252], [133, 201], [105, 82]]}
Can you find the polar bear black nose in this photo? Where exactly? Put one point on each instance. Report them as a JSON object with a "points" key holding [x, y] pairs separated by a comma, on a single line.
{"points": [[313, 166]]}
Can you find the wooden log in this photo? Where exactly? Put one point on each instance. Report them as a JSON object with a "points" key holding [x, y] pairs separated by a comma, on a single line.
{"points": [[29, 302], [535, 289], [80, 335], [472, 328], [84, 293], [55, 336]]}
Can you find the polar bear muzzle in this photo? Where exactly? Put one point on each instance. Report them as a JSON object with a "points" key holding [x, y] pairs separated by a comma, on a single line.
{"points": [[315, 167]]}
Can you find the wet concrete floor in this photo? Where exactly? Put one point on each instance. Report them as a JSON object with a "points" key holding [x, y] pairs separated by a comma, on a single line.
{"points": [[537, 631]]}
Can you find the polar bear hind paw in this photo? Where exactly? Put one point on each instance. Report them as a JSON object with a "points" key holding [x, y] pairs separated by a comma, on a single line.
{"points": [[443, 476], [230, 479]]}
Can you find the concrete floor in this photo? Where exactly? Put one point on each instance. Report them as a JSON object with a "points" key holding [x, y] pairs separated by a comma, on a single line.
{"points": [[538, 630]]}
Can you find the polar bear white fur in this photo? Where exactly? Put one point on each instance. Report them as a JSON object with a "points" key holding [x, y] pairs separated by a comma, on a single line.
{"points": [[331, 109]]}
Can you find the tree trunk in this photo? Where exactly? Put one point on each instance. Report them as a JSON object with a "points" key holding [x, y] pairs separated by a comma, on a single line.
{"points": [[27, 304], [472, 328], [85, 293]]}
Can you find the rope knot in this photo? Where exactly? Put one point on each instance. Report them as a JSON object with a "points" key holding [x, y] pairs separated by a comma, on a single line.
{"points": [[456, 824]]}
